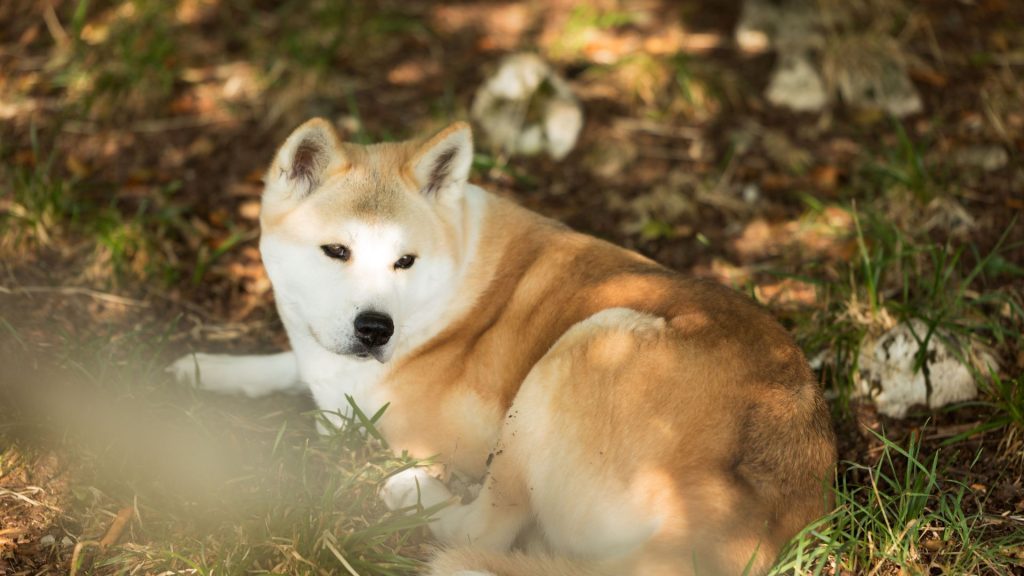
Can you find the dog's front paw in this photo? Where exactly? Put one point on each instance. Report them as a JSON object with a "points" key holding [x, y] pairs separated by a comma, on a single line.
{"points": [[411, 487], [217, 373], [188, 369]]}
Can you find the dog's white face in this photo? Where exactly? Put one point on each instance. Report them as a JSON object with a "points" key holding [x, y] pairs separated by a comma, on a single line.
{"points": [[360, 242]]}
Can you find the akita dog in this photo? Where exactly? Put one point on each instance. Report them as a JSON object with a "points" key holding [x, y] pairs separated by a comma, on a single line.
{"points": [[630, 420]]}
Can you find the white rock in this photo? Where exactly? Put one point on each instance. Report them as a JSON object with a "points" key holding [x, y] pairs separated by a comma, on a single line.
{"points": [[886, 371], [795, 84], [987, 157], [47, 540], [527, 108]]}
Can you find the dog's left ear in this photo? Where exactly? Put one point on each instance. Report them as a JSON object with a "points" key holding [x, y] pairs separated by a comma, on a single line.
{"points": [[441, 164]]}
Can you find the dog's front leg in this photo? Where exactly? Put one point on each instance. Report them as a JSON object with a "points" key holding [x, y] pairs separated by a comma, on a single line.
{"points": [[491, 521], [253, 376]]}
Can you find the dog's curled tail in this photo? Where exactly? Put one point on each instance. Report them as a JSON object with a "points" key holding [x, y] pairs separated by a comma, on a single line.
{"points": [[471, 562]]}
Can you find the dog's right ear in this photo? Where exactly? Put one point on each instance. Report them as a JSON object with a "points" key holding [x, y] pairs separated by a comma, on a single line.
{"points": [[301, 162], [441, 164]]}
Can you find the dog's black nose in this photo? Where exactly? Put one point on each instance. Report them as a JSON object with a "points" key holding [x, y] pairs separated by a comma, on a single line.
{"points": [[374, 329]]}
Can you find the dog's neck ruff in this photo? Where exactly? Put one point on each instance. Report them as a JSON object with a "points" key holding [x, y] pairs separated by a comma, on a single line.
{"points": [[421, 326]]}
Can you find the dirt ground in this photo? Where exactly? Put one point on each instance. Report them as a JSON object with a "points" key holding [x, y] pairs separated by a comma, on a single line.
{"points": [[133, 142]]}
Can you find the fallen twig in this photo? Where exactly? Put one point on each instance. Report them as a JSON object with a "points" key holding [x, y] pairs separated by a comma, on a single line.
{"points": [[124, 516], [74, 291]]}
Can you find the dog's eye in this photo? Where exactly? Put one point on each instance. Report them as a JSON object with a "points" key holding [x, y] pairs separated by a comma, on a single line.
{"points": [[405, 262], [336, 251]]}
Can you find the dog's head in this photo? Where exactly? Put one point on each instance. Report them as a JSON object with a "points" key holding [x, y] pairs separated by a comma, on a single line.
{"points": [[360, 241]]}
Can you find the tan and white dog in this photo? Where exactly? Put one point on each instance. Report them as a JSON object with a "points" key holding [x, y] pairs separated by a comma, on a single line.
{"points": [[630, 419]]}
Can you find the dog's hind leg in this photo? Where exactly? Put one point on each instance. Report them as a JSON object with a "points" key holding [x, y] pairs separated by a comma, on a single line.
{"points": [[253, 376]]}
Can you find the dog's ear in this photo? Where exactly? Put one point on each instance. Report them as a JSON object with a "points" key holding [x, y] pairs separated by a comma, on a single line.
{"points": [[441, 164], [301, 162]]}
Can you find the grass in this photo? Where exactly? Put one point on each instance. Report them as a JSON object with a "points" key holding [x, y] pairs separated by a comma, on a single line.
{"points": [[583, 19], [216, 487], [39, 203], [124, 62], [1004, 398], [47, 209], [664, 86], [227, 486], [897, 277], [275, 497], [901, 515], [904, 166]]}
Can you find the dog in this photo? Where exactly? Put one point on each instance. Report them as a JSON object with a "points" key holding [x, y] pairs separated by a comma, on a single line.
{"points": [[622, 418]]}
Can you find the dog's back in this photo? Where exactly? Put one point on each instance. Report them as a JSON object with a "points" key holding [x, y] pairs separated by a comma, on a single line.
{"points": [[667, 422]]}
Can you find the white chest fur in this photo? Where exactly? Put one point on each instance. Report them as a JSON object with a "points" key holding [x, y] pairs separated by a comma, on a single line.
{"points": [[333, 380]]}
